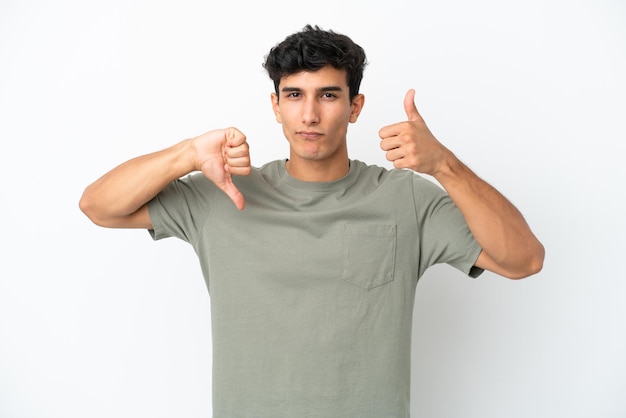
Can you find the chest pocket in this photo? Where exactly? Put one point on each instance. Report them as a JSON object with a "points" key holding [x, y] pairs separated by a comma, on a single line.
{"points": [[369, 255]]}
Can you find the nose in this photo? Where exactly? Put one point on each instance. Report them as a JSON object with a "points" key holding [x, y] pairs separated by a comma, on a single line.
{"points": [[310, 112]]}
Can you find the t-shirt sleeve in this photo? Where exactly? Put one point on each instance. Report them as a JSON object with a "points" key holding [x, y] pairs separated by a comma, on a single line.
{"points": [[443, 232], [181, 208]]}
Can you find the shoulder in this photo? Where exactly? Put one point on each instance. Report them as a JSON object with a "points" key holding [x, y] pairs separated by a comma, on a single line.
{"points": [[393, 176], [371, 172], [260, 177]]}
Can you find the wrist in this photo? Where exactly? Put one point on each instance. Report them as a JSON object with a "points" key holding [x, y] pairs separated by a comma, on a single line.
{"points": [[182, 157], [449, 168]]}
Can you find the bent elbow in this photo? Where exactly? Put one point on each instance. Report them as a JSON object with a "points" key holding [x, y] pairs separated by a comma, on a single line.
{"points": [[88, 208], [532, 266], [538, 262]]}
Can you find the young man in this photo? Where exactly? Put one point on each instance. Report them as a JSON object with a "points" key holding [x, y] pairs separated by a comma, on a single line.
{"points": [[312, 284]]}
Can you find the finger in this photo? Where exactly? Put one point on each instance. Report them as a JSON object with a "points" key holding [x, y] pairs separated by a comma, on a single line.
{"points": [[409, 106], [238, 151], [234, 137], [390, 143], [391, 131], [238, 161], [233, 193], [394, 154], [236, 197], [240, 167]]}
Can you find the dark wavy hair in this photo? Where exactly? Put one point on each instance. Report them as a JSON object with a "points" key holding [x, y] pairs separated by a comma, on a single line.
{"points": [[312, 49]]}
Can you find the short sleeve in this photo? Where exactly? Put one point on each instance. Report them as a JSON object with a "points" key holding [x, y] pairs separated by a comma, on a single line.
{"points": [[444, 236], [181, 208]]}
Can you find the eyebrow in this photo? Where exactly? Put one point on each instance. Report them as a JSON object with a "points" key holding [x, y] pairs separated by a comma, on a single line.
{"points": [[320, 90]]}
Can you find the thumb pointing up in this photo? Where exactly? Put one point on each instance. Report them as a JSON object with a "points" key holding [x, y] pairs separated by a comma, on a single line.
{"points": [[410, 108]]}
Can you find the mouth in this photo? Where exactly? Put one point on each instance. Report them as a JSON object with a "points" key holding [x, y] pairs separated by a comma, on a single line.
{"points": [[309, 135]]}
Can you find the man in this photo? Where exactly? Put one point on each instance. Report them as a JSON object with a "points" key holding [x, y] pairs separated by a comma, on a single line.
{"points": [[312, 284]]}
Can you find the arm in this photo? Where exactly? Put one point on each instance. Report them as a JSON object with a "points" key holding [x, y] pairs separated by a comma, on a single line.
{"points": [[509, 246], [119, 198]]}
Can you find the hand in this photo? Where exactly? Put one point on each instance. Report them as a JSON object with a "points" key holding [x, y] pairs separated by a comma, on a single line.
{"points": [[219, 155], [410, 144]]}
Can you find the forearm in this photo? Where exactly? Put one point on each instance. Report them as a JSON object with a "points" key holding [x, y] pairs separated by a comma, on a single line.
{"points": [[121, 192], [510, 248]]}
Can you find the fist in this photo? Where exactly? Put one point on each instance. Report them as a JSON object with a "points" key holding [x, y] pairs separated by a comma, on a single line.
{"points": [[410, 144], [220, 154]]}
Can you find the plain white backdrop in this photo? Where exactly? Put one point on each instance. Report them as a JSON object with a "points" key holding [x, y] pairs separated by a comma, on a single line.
{"points": [[107, 323]]}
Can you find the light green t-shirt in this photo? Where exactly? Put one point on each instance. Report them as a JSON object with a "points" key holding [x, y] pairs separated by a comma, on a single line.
{"points": [[312, 285]]}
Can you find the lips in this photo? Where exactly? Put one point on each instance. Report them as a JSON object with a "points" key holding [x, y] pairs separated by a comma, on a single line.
{"points": [[310, 136]]}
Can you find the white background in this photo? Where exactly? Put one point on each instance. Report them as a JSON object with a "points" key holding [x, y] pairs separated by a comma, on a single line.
{"points": [[530, 94]]}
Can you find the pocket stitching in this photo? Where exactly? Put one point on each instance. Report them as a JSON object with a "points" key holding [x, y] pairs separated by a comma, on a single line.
{"points": [[354, 234]]}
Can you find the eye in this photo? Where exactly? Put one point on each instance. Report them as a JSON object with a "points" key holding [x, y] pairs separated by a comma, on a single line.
{"points": [[294, 94], [329, 96]]}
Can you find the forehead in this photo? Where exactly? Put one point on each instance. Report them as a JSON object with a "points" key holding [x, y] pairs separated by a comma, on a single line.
{"points": [[324, 77]]}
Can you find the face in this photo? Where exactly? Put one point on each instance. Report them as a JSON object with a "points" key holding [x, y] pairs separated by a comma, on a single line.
{"points": [[314, 109]]}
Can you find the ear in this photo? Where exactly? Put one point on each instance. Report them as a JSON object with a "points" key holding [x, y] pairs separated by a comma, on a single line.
{"points": [[357, 106], [276, 107]]}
